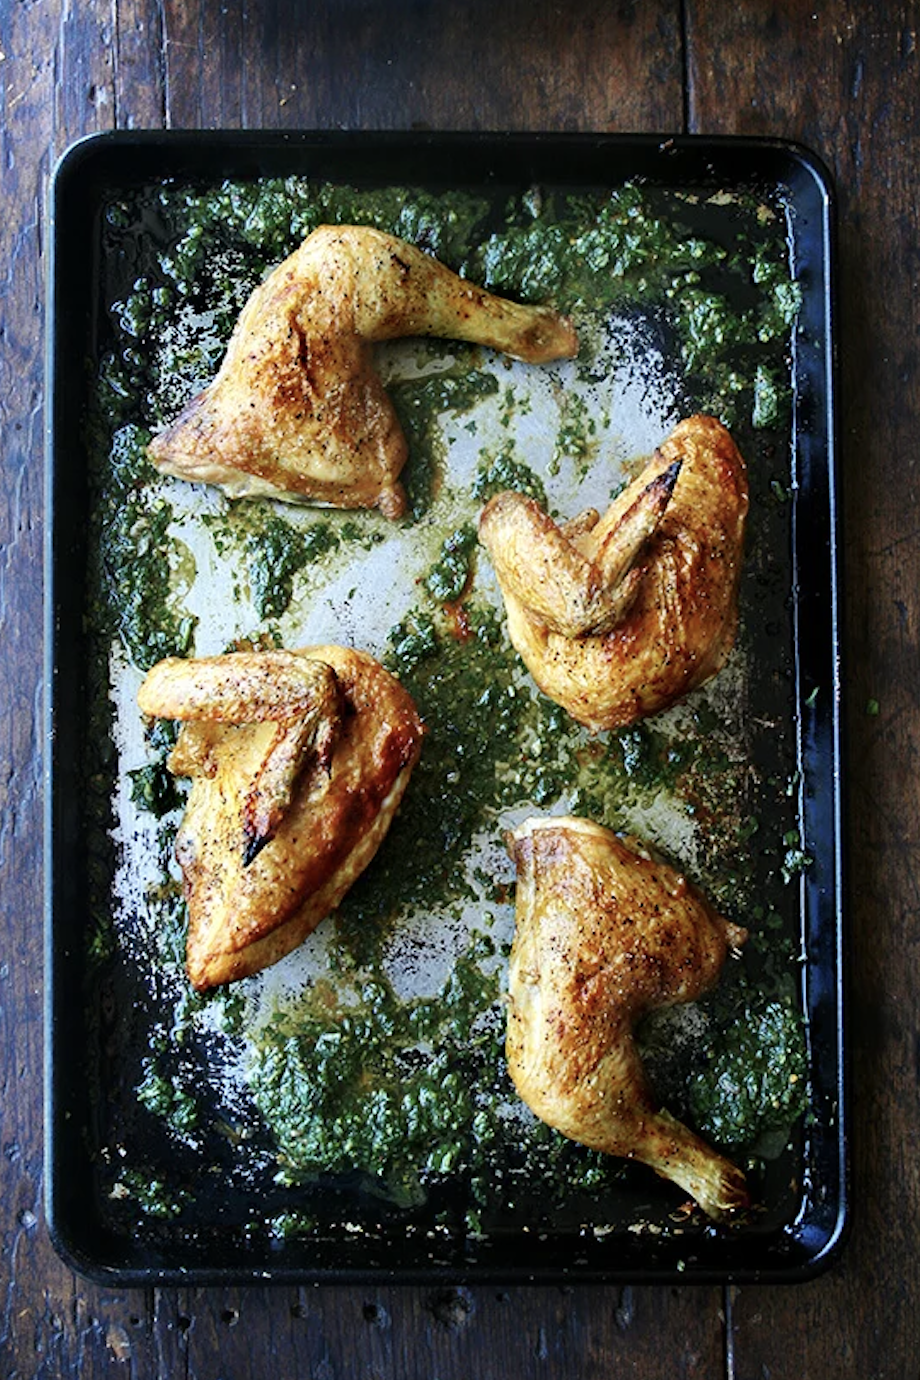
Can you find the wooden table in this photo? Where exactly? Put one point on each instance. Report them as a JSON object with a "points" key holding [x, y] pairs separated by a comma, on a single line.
{"points": [[844, 79]]}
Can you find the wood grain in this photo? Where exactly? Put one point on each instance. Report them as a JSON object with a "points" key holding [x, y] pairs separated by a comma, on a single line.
{"points": [[136, 64], [524, 64], [27, 42], [843, 78], [418, 1333]]}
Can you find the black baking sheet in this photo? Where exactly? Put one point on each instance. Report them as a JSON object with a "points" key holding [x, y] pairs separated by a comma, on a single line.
{"points": [[803, 1233]]}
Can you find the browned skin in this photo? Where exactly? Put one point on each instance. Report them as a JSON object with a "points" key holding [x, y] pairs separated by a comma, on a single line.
{"points": [[621, 617], [297, 410], [331, 805], [603, 935], [299, 697]]}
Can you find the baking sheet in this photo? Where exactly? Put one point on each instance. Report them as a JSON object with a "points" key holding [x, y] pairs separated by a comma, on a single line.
{"points": [[220, 1206]]}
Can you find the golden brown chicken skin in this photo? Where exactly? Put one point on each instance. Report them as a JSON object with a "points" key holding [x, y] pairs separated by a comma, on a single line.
{"points": [[617, 617], [605, 934], [296, 410], [298, 763]]}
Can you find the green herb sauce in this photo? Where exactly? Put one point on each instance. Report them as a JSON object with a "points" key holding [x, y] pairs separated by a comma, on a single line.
{"points": [[276, 553], [140, 557], [419, 404], [385, 1087], [449, 577], [752, 1086], [592, 253], [507, 472], [406, 1093]]}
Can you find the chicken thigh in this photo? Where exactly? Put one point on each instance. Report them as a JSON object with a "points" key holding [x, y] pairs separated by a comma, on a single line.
{"points": [[298, 763], [617, 617], [605, 934], [296, 410]]}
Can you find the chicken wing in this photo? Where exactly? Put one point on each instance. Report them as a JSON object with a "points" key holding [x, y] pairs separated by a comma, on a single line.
{"points": [[298, 763], [605, 934], [619, 616], [296, 410]]}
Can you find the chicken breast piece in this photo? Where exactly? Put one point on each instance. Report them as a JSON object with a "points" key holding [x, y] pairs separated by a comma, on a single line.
{"points": [[620, 616], [296, 410], [603, 935], [298, 763]]}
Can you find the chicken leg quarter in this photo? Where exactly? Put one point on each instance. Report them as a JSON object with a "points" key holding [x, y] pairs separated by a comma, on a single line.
{"points": [[296, 410], [603, 935]]}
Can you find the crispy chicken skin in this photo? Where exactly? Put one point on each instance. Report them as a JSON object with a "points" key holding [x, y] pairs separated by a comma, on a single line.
{"points": [[617, 617], [298, 763], [296, 410], [605, 934]]}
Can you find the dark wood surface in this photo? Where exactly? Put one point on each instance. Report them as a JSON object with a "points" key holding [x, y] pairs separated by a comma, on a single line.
{"points": [[845, 79]]}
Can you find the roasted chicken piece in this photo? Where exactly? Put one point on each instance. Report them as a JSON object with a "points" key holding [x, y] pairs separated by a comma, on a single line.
{"points": [[298, 763], [619, 616], [296, 410], [603, 935]]}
